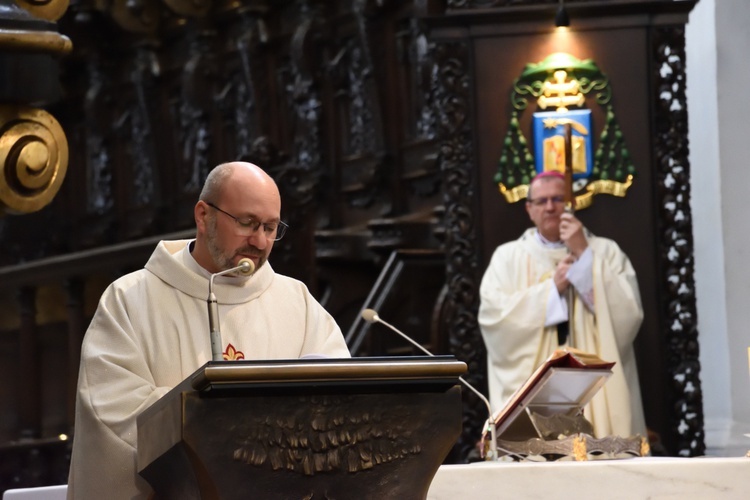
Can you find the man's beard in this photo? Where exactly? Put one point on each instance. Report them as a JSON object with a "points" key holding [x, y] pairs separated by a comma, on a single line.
{"points": [[225, 260]]}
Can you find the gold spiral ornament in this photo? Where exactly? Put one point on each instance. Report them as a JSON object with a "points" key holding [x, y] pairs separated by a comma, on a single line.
{"points": [[33, 157], [51, 10]]}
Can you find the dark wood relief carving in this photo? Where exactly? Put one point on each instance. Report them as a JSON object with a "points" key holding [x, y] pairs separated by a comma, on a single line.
{"points": [[327, 433], [303, 95], [420, 65], [453, 102], [354, 70], [240, 96], [421, 168], [98, 101], [356, 81], [672, 170], [486, 4], [298, 79], [136, 143], [144, 69], [192, 110]]}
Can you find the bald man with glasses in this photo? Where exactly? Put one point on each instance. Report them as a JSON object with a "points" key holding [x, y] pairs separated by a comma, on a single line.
{"points": [[151, 329], [558, 286]]}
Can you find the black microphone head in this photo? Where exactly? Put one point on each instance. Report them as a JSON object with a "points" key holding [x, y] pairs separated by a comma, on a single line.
{"points": [[248, 267], [370, 315]]}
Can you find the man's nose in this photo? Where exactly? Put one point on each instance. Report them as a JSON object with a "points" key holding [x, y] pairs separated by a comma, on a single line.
{"points": [[258, 238]]}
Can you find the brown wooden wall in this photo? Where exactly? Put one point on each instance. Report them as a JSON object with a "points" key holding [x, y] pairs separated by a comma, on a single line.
{"points": [[620, 45], [382, 122]]}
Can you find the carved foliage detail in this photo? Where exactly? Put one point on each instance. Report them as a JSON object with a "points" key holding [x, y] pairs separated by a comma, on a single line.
{"points": [[676, 246], [97, 103], [353, 70], [421, 66], [141, 147], [193, 111], [302, 175], [321, 437], [237, 100], [354, 91], [452, 102]]}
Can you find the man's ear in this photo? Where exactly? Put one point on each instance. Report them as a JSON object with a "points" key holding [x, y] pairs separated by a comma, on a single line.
{"points": [[200, 212]]}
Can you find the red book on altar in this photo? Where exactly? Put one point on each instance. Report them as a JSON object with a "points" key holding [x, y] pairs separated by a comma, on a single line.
{"points": [[561, 386]]}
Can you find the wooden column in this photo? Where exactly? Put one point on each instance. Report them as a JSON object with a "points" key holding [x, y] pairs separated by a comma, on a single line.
{"points": [[76, 328], [30, 367]]}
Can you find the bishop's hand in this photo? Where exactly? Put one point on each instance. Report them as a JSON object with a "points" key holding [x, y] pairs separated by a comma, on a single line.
{"points": [[572, 235], [561, 271]]}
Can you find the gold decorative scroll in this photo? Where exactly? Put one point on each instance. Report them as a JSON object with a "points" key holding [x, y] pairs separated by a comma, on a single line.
{"points": [[33, 158], [51, 10], [610, 187], [583, 200], [515, 194], [35, 41]]}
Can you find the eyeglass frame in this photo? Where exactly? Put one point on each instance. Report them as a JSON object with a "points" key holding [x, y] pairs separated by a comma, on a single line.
{"points": [[542, 202], [281, 226]]}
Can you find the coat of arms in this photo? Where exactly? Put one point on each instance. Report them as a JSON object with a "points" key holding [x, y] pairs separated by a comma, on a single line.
{"points": [[559, 88]]}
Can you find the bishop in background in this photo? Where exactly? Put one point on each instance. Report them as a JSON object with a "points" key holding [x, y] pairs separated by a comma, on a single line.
{"points": [[558, 285]]}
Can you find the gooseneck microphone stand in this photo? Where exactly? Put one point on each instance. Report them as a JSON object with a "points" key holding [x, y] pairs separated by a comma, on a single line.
{"points": [[246, 267]]}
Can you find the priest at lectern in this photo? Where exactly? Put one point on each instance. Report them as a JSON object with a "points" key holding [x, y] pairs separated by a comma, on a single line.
{"points": [[558, 286], [152, 329]]}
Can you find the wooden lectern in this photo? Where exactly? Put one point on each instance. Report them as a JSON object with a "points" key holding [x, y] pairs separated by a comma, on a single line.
{"points": [[303, 429]]}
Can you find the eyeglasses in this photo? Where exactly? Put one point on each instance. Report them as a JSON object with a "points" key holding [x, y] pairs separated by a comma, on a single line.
{"points": [[541, 202], [247, 227]]}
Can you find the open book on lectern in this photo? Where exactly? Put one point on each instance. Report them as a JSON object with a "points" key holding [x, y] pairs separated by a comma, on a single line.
{"points": [[559, 387]]}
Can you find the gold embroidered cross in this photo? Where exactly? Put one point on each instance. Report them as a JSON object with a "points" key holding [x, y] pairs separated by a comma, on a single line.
{"points": [[561, 93]]}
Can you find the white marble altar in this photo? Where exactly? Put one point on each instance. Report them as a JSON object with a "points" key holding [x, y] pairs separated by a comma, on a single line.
{"points": [[658, 478]]}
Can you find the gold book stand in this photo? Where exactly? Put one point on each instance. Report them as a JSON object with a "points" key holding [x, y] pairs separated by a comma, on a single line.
{"points": [[544, 419]]}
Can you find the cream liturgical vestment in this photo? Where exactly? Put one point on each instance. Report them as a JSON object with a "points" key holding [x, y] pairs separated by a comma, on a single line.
{"points": [[514, 294], [151, 331]]}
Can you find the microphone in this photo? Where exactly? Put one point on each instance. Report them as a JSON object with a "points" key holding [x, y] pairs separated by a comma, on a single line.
{"points": [[245, 267], [371, 316]]}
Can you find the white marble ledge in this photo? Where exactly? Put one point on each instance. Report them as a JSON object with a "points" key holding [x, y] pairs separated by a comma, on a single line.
{"points": [[662, 478]]}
